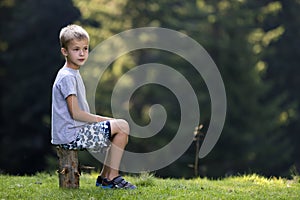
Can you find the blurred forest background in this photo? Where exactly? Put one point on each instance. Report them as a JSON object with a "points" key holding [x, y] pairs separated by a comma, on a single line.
{"points": [[255, 44]]}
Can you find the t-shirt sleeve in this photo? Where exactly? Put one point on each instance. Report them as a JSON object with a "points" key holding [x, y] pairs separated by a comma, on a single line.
{"points": [[67, 86]]}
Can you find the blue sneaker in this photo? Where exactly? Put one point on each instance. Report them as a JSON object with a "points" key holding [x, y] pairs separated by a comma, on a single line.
{"points": [[117, 183], [99, 181]]}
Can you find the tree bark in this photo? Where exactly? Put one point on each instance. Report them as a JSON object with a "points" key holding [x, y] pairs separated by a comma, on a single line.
{"points": [[68, 172]]}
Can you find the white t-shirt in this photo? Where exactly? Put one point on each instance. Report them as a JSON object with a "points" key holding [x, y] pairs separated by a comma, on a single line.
{"points": [[63, 128]]}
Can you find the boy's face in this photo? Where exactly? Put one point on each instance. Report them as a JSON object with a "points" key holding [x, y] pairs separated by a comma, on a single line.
{"points": [[76, 53]]}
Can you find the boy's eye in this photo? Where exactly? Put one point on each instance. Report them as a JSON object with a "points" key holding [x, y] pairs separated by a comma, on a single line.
{"points": [[78, 49]]}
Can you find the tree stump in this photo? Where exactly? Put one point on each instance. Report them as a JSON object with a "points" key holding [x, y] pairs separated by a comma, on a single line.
{"points": [[68, 172]]}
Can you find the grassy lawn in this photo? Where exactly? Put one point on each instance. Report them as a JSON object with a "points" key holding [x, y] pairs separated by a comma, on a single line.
{"points": [[45, 186]]}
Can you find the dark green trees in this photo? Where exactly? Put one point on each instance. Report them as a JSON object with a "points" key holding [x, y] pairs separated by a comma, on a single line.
{"points": [[254, 44], [30, 57], [231, 31]]}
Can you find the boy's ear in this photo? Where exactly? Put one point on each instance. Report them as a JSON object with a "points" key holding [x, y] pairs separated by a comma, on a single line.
{"points": [[64, 52]]}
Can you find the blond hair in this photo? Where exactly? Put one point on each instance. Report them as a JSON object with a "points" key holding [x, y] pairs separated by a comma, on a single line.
{"points": [[70, 33]]}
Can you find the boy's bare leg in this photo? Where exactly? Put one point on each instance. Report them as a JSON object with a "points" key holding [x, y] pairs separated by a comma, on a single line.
{"points": [[106, 169], [119, 131]]}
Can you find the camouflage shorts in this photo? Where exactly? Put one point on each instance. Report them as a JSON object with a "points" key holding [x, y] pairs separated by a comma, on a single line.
{"points": [[94, 137]]}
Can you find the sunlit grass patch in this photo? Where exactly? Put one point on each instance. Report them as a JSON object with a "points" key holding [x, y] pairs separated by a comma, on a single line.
{"points": [[45, 186]]}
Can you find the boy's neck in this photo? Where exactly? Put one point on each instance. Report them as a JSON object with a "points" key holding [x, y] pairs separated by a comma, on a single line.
{"points": [[71, 66]]}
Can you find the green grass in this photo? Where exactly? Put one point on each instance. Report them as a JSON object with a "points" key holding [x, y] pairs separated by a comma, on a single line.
{"points": [[45, 186]]}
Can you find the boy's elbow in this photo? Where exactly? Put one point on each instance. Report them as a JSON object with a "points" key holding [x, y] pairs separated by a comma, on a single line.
{"points": [[74, 115]]}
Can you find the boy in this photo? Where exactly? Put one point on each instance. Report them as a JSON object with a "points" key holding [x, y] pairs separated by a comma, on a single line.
{"points": [[73, 126]]}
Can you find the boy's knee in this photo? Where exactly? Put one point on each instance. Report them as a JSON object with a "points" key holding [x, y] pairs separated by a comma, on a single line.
{"points": [[124, 126], [120, 125]]}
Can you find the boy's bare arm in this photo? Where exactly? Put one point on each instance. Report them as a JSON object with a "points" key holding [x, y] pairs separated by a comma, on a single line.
{"points": [[80, 115]]}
